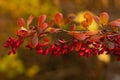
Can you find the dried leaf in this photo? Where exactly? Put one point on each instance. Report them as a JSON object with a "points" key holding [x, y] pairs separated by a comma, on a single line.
{"points": [[104, 18], [59, 19], [30, 19], [21, 22], [41, 20]]}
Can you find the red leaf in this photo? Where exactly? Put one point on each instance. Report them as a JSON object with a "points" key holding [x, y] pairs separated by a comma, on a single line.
{"points": [[22, 32], [41, 20], [78, 35], [59, 19], [43, 26], [96, 19], [115, 23], [69, 19], [21, 22], [30, 19], [73, 27], [104, 18], [34, 40]]}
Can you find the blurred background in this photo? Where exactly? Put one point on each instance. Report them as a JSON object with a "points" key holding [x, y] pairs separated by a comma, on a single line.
{"points": [[27, 65]]}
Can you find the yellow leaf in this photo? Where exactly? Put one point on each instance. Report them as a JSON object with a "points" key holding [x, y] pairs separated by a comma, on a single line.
{"points": [[80, 18]]}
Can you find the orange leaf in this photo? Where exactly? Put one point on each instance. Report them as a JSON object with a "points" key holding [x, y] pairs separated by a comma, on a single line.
{"points": [[104, 18], [59, 19], [21, 22], [41, 20], [95, 38], [78, 35], [91, 32], [30, 19], [115, 24], [88, 20]]}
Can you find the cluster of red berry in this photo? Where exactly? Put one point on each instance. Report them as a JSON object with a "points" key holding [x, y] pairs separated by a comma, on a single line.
{"points": [[104, 40], [13, 43]]}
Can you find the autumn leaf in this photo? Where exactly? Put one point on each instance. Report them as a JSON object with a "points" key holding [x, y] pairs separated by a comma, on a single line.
{"points": [[22, 32], [104, 18], [95, 38], [41, 20], [78, 35], [59, 19], [96, 19], [43, 26], [88, 33], [115, 25], [80, 18], [21, 22], [34, 40], [73, 27], [88, 20], [30, 19], [69, 19]]}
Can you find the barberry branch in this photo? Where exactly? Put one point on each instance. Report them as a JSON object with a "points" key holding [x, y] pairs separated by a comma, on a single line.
{"points": [[84, 42]]}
